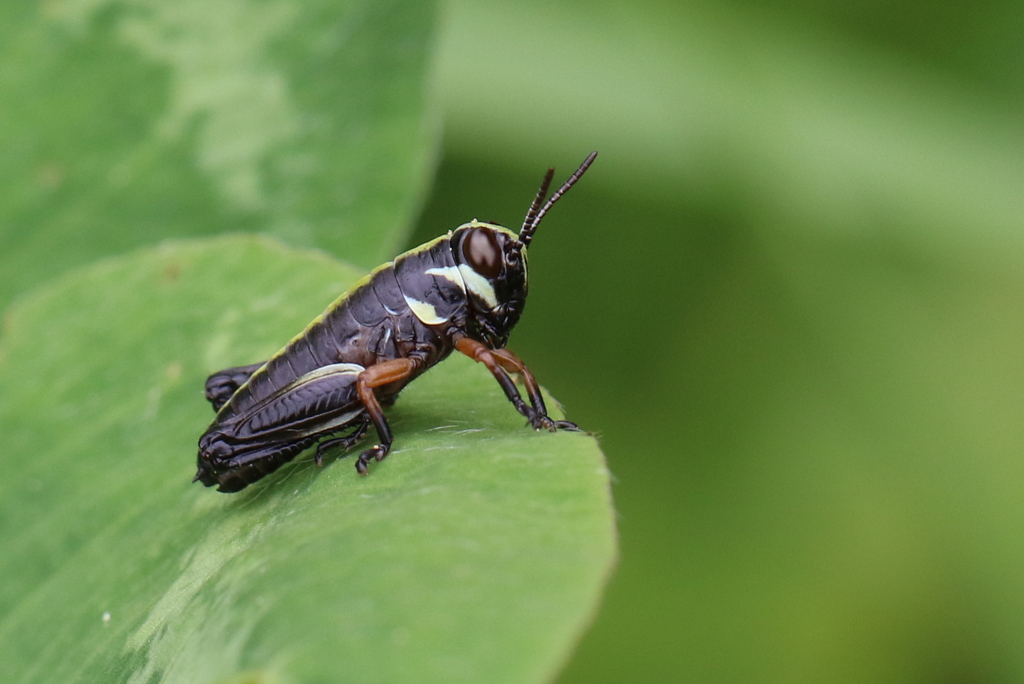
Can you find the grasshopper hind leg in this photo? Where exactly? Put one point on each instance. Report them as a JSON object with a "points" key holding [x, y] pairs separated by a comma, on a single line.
{"points": [[222, 384], [246, 470]]}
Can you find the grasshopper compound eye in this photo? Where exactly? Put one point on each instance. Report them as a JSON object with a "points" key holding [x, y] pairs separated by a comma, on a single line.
{"points": [[481, 251], [464, 291]]}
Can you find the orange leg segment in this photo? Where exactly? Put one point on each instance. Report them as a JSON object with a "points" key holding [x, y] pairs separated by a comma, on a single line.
{"points": [[377, 376], [501, 362], [513, 364]]}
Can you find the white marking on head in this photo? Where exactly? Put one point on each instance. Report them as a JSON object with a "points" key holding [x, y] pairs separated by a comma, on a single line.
{"points": [[449, 273], [424, 311], [478, 285]]}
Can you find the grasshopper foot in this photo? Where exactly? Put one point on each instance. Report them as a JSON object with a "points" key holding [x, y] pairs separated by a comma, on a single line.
{"points": [[375, 453]]}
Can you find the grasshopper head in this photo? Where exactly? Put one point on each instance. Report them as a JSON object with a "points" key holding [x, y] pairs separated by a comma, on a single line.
{"points": [[493, 268], [492, 263]]}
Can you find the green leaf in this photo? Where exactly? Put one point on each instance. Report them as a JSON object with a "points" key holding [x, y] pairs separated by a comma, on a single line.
{"points": [[475, 552], [126, 122]]}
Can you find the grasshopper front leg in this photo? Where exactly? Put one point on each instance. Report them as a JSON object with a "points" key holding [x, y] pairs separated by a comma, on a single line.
{"points": [[513, 364], [502, 362]]}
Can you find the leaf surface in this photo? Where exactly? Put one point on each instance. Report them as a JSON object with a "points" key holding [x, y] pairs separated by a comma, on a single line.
{"points": [[475, 552], [124, 123]]}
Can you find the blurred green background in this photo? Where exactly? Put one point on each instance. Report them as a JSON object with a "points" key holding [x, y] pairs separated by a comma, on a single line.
{"points": [[788, 296]]}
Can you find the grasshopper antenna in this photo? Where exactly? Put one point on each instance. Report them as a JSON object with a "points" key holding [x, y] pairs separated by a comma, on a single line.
{"points": [[537, 212]]}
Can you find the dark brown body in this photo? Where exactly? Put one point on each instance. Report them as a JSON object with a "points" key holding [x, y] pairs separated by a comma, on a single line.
{"points": [[371, 323], [464, 291], [259, 429]]}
